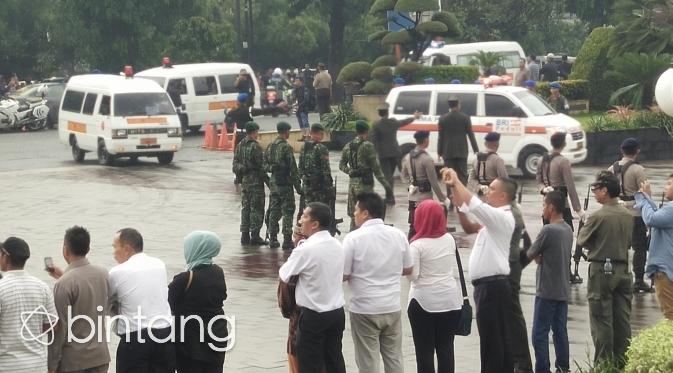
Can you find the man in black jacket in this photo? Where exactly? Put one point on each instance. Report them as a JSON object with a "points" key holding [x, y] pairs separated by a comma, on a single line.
{"points": [[452, 141]]}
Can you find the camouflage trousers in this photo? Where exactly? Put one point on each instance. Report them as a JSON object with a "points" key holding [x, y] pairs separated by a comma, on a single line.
{"points": [[355, 187], [252, 211], [281, 204]]}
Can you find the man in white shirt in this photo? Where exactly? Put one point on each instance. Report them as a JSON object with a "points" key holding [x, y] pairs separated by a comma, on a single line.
{"points": [[318, 263], [489, 264], [26, 310], [139, 296], [376, 256]]}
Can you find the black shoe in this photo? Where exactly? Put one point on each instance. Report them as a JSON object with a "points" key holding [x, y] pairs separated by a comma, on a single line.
{"points": [[245, 238], [273, 241], [287, 242], [256, 240], [575, 279], [641, 287]]}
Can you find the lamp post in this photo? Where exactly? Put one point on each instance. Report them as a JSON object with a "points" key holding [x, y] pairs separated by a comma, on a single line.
{"points": [[663, 91]]}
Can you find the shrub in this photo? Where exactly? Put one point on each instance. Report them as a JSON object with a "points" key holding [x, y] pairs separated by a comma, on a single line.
{"points": [[383, 73], [445, 74], [640, 119], [408, 69], [592, 63], [651, 351], [339, 117], [385, 60], [377, 87], [571, 89], [355, 72]]}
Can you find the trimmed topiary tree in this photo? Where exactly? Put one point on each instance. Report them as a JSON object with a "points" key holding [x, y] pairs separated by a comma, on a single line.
{"points": [[385, 60], [377, 87], [407, 69], [355, 72], [445, 74], [592, 63]]}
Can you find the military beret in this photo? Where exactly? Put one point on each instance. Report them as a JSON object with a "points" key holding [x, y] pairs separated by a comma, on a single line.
{"points": [[317, 127], [398, 81], [429, 81], [251, 127], [529, 83], [555, 85], [453, 99], [242, 97], [492, 136], [383, 106], [630, 144], [283, 127], [420, 135], [361, 126], [456, 81]]}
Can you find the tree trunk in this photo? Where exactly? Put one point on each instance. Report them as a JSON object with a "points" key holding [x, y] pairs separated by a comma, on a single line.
{"points": [[337, 25]]}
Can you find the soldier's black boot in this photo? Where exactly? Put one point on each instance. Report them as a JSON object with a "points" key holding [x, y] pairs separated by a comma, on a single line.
{"points": [[256, 240], [245, 238], [641, 286], [273, 241], [287, 242]]}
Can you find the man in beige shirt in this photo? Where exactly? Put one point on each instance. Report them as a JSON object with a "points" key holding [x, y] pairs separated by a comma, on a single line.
{"points": [[322, 82], [81, 292], [631, 175]]}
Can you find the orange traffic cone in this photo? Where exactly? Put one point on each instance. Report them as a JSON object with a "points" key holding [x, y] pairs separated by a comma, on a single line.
{"points": [[208, 137], [226, 143]]}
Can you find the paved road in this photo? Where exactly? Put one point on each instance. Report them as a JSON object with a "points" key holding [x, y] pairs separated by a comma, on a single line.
{"points": [[44, 192]]}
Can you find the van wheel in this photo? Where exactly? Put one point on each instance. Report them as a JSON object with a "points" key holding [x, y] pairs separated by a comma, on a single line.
{"points": [[165, 158], [530, 159], [77, 153], [104, 158], [133, 159]]}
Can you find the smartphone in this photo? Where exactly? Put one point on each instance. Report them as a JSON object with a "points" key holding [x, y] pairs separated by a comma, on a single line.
{"points": [[48, 264]]}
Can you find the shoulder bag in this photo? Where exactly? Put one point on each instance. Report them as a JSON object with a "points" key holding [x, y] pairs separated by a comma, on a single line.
{"points": [[464, 325]]}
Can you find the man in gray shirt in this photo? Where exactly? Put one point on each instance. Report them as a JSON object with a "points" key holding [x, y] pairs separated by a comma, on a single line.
{"points": [[551, 250]]}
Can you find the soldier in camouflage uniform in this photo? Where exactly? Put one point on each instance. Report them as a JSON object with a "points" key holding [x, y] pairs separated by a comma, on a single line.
{"points": [[314, 168], [360, 162], [248, 167], [279, 162]]}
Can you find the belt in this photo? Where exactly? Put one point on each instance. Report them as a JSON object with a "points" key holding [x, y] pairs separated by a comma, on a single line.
{"points": [[611, 261], [488, 279], [627, 198]]}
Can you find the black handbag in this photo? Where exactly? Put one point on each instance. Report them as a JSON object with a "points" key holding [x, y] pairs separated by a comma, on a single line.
{"points": [[464, 325]]}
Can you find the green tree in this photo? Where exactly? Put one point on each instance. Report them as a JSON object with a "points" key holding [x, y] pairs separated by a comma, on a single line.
{"points": [[196, 39], [595, 12], [488, 61], [643, 26], [24, 35], [639, 72]]}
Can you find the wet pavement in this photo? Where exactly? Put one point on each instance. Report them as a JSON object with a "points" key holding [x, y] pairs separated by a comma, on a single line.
{"points": [[44, 192]]}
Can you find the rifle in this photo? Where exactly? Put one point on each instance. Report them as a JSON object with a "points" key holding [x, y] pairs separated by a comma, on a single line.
{"points": [[520, 194], [334, 229], [578, 255]]}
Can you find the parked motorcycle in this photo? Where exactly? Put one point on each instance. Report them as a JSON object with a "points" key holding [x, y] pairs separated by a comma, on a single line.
{"points": [[20, 113], [274, 100]]}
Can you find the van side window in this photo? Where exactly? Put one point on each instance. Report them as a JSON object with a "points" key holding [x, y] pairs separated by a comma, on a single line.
{"points": [[498, 106], [72, 101], [178, 86], [468, 103], [104, 106], [204, 85], [89, 103], [409, 102], [227, 83]]}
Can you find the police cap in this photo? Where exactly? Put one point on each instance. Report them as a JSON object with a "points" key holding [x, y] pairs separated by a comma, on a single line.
{"points": [[283, 127], [399, 81], [429, 81], [421, 135], [529, 83], [555, 85], [251, 127], [456, 81], [630, 144], [242, 97], [361, 126], [492, 137], [317, 127]]}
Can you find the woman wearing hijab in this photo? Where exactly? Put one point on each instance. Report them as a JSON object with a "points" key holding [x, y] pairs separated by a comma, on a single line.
{"points": [[435, 298], [199, 292]]}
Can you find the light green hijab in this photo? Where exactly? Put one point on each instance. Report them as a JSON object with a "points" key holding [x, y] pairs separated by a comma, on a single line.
{"points": [[200, 248]]}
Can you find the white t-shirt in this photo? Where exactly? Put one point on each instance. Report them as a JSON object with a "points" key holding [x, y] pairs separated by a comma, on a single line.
{"points": [[432, 282], [319, 264], [490, 253], [375, 256], [140, 283]]}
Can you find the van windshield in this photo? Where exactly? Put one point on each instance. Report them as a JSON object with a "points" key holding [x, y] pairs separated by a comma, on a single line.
{"points": [[534, 103], [510, 60], [142, 104]]}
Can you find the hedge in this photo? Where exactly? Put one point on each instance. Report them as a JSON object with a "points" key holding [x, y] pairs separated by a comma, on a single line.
{"points": [[383, 73], [385, 60], [447, 73], [571, 89], [592, 63], [639, 119], [376, 87]]}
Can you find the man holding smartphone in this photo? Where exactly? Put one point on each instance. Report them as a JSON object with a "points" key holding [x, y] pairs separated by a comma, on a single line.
{"points": [[81, 292]]}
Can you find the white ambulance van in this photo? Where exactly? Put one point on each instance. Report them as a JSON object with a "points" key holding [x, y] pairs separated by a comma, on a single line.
{"points": [[204, 90], [116, 116], [463, 54], [524, 120]]}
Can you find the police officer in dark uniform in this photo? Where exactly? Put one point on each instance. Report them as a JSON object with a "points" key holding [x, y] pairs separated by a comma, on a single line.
{"points": [[631, 175], [384, 137], [418, 170], [488, 166], [607, 236], [454, 129]]}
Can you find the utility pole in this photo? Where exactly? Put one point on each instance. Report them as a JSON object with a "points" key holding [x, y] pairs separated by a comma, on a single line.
{"points": [[251, 34], [239, 30]]}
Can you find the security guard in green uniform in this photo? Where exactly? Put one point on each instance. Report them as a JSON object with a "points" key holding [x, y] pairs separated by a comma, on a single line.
{"points": [[279, 162], [488, 166], [607, 236], [314, 168], [359, 161], [631, 175], [248, 166]]}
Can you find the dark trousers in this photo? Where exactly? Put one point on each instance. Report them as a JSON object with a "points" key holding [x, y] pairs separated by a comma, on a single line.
{"points": [[147, 356], [322, 97], [318, 343], [550, 314], [412, 211], [519, 333], [433, 332], [491, 299], [388, 165], [460, 166], [639, 245], [187, 365]]}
